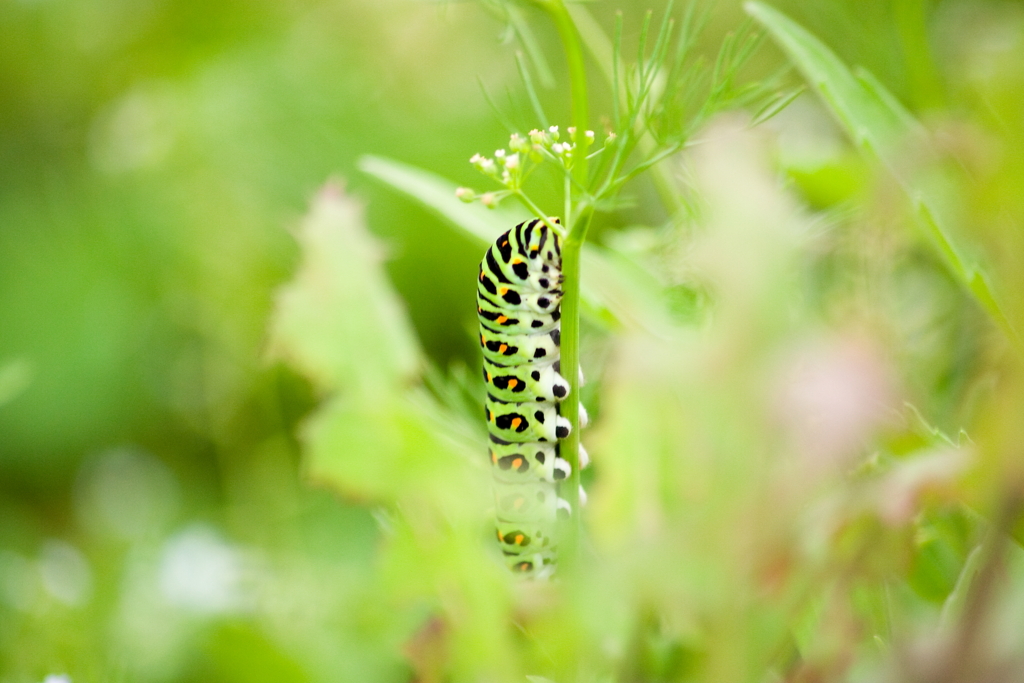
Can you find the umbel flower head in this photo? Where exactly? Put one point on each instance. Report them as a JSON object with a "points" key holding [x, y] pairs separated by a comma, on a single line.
{"points": [[510, 167]]}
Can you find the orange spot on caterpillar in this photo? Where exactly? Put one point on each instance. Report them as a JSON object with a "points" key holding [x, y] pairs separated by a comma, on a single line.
{"points": [[501, 349], [503, 290], [516, 422], [513, 383], [516, 463], [519, 539], [501, 320]]}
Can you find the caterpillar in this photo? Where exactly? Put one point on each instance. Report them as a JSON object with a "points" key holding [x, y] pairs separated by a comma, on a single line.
{"points": [[518, 305]]}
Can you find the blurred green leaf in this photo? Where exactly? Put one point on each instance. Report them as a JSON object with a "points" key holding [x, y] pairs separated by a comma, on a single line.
{"points": [[614, 291], [339, 320], [773, 107], [438, 196], [396, 447], [878, 124], [953, 607], [872, 123]]}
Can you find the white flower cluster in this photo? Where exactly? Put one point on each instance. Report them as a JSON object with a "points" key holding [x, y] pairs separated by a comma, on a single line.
{"points": [[510, 167]]}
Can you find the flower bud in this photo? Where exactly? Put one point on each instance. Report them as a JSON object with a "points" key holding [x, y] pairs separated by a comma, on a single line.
{"points": [[516, 143]]}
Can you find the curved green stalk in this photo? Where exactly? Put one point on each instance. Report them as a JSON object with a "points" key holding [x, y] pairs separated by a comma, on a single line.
{"points": [[570, 340], [577, 82]]}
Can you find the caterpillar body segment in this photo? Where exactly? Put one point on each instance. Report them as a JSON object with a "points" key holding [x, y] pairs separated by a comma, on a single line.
{"points": [[524, 462], [519, 349], [526, 536], [534, 565], [517, 272], [525, 422], [517, 298], [530, 253], [526, 382], [498, 317], [528, 502], [519, 294]]}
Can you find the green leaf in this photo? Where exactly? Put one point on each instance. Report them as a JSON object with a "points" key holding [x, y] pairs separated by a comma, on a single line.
{"points": [[879, 125], [437, 194], [613, 292], [871, 122], [379, 436], [773, 107], [339, 320], [396, 447], [953, 608]]}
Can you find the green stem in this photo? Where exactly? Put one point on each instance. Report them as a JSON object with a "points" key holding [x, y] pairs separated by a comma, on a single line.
{"points": [[577, 83], [570, 340], [536, 211], [570, 365]]}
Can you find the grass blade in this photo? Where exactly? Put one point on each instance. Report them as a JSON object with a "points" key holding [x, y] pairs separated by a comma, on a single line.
{"points": [[502, 119], [531, 45], [531, 92], [612, 294], [437, 195], [878, 124], [776, 105]]}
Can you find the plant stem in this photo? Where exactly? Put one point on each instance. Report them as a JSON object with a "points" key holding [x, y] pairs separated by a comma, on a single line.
{"points": [[570, 340], [577, 83], [570, 365], [525, 199]]}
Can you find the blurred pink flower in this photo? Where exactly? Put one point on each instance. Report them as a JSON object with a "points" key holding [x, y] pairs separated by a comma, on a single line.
{"points": [[830, 395]]}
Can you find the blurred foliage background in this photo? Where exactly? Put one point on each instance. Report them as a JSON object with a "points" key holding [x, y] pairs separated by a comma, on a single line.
{"points": [[809, 477]]}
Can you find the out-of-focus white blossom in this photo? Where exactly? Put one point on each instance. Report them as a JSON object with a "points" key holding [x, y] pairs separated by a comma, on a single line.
{"points": [[199, 571], [65, 573]]}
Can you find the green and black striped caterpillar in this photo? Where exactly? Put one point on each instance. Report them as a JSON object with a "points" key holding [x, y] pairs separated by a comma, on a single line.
{"points": [[518, 303]]}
